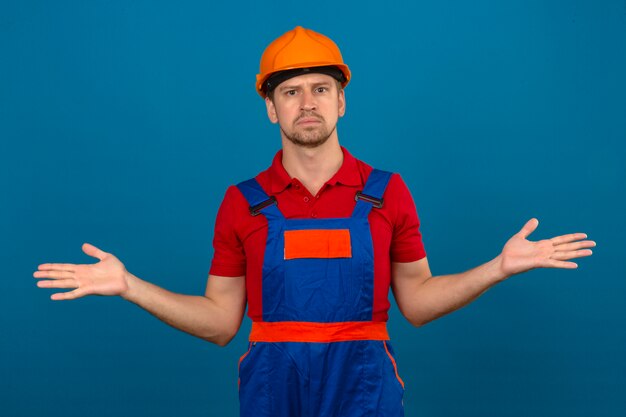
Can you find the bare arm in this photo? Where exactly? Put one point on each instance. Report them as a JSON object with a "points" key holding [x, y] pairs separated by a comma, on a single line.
{"points": [[215, 317], [423, 298]]}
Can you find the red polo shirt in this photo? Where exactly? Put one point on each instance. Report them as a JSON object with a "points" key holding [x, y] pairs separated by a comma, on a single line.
{"points": [[239, 240]]}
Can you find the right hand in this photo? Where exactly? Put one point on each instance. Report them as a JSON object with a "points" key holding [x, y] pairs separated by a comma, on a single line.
{"points": [[107, 277]]}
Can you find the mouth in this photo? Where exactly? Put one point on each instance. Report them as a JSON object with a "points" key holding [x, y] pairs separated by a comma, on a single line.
{"points": [[308, 121]]}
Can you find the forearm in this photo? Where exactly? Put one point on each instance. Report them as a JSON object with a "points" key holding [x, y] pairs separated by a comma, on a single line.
{"points": [[197, 315], [440, 295]]}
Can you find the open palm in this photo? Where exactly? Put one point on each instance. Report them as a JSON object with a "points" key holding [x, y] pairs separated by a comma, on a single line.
{"points": [[520, 255], [106, 277]]}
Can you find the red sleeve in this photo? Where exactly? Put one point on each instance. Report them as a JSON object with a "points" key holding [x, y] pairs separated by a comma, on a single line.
{"points": [[406, 242], [229, 259]]}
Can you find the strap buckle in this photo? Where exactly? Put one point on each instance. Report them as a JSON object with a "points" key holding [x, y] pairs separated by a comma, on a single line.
{"points": [[376, 202], [256, 210]]}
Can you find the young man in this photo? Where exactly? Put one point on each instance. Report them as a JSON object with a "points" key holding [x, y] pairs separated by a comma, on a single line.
{"points": [[313, 245]]}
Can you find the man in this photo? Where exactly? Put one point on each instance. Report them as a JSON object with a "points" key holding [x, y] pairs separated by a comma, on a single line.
{"points": [[313, 245]]}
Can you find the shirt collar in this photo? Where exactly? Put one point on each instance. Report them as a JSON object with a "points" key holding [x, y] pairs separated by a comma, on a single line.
{"points": [[348, 173]]}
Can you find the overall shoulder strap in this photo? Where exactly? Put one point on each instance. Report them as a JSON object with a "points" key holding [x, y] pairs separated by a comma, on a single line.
{"points": [[372, 194], [258, 199]]}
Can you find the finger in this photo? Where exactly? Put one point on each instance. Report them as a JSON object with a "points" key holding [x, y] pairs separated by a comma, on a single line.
{"points": [[568, 238], [553, 263], [576, 245], [70, 295], [91, 250], [58, 267], [54, 274], [529, 227], [566, 255], [62, 283]]}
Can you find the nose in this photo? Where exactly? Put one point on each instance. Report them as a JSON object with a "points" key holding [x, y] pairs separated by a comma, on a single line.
{"points": [[308, 102]]}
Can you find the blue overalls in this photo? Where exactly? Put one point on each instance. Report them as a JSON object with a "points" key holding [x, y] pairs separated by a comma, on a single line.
{"points": [[317, 351]]}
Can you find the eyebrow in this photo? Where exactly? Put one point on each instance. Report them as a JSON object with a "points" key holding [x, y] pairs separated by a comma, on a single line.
{"points": [[295, 86]]}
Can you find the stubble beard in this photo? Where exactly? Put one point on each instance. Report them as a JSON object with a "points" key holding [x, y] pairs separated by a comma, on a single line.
{"points": [[309, 137]]}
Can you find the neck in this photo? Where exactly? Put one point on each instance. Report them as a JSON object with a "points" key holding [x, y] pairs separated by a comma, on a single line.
{"points": [[313, 167]]}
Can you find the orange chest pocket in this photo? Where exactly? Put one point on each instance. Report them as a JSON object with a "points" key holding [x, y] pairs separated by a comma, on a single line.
{"points": [[317, 243]]}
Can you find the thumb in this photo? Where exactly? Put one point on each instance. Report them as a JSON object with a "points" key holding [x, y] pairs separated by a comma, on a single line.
{"points": [[91, 250], [529, 227]]}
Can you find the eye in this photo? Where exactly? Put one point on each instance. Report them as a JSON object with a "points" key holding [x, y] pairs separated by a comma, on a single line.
{"points": [[321, 89], [290, 92]]}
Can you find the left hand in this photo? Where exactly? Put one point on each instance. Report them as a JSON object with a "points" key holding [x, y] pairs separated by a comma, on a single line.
{"points": [[521, 255]]}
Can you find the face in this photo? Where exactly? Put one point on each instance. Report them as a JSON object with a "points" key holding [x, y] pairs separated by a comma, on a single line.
{"points": [[307, 108]]}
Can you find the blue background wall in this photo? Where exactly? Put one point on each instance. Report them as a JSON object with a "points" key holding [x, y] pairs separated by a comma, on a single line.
{"points": [[122, 124]]}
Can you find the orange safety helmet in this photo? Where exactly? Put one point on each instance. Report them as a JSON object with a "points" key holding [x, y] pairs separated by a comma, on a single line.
{"points": [[300, 49]]}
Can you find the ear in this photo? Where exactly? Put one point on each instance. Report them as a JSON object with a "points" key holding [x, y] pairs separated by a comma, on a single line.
{"points": [[271, 110], [342, 102]]}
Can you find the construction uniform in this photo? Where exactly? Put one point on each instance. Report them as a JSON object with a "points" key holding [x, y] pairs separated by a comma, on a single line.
{"points": [[319, 344]]}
